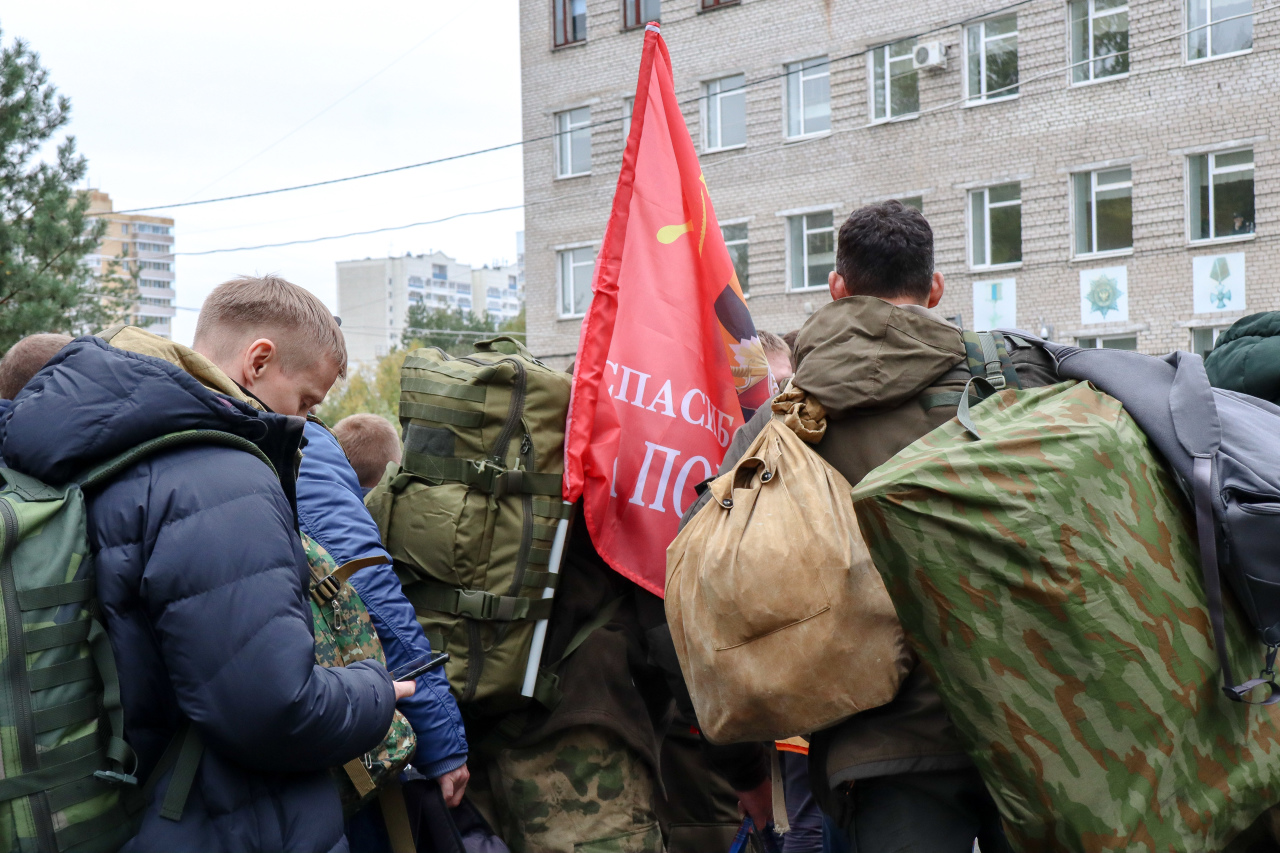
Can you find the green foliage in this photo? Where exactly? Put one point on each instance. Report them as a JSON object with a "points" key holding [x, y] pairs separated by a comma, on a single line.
{"points": [[45, 232], [375, 388]]}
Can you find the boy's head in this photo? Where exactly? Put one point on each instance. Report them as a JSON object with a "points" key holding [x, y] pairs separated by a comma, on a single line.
{"points": [[778, 354], [24, 360], [273, 338], [370, 442], [886, 250]]}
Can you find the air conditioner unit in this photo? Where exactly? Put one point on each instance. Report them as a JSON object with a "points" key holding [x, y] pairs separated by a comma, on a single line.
{"points": [[931, 55]]}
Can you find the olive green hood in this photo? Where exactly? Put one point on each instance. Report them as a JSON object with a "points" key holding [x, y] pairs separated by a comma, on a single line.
{"points": [[865, 353]]}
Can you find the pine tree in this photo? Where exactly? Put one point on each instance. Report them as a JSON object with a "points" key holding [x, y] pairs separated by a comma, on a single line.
{"points": [[45, 232]]}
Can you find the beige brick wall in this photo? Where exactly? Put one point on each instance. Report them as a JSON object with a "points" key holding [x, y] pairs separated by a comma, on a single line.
{"points": [[1150, 119]]}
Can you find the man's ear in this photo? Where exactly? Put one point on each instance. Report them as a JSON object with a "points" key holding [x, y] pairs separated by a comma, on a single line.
{"points": [[935, 290], [837, 285], [257, 357]]}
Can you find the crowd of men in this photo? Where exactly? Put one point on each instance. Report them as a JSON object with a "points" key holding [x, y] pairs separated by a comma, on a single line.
{"points": [[202, 584]]}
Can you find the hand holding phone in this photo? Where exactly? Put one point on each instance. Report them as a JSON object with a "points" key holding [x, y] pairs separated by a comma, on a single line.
{"points": [[418, 666]]}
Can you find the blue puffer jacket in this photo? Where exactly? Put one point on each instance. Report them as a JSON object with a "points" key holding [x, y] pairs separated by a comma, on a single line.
{"points": [[201, 579], [331, 512]]}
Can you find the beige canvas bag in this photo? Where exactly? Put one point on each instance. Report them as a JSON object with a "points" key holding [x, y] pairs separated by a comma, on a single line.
{"points": [[780, 619]]}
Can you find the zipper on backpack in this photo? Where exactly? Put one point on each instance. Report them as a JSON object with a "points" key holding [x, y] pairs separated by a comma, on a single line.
{"points": [[24, 719]]}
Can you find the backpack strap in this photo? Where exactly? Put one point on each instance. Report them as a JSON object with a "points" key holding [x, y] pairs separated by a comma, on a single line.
{"points": [[988, 357], [100, 474]]}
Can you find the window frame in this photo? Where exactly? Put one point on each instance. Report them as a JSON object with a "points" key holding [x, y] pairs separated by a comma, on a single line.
{"points": [[805, 231], [565, 8], [746, 241], [628, 108], [641, 19], [970, 99], [882, 53], [1190, 194], [799, 71], [1215, 332], [1091, 16], [1098, 339], [561, 251], [986, 212], [714, 100], [1208, 26], [712, 5], [1093, 224], [564, 138]]}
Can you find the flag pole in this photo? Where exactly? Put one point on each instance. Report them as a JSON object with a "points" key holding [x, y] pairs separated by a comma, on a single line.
{"points": [[540, 627]]}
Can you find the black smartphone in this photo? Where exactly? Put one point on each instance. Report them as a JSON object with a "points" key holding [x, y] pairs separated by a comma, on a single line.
{"points": [[417, 666]]}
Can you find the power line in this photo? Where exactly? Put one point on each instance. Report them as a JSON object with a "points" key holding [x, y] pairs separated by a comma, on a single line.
{"points": [[369, 80], [545, 137], [758, 151]]}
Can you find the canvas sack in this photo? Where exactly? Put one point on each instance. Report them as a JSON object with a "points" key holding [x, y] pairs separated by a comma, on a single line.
{"points": [[780, 620]]}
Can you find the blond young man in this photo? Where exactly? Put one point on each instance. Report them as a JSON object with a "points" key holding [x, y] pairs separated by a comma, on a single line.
{"points": [[200, 571]]}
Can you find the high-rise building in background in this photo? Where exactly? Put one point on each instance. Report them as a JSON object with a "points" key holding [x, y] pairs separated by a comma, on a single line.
{"points": [[143, 245], [1100, 171], [375, 294]]}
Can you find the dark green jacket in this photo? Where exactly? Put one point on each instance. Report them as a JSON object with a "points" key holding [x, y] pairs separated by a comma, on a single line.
{"points": [[1247, 357]]}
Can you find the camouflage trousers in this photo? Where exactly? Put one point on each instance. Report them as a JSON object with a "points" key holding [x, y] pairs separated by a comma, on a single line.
{"points": [[582, 791]]}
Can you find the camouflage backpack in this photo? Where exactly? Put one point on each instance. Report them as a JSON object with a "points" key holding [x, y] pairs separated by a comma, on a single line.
{"points": [[68, 778], [470, 514], [344, 635]]}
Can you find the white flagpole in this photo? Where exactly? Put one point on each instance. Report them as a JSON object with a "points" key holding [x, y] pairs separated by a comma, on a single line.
{"points": [[540, 627]]}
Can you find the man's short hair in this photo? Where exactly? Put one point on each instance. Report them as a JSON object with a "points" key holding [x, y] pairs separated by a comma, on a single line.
{"points": [[244, 309], [370, 442], [24, 360], [772, 343], [886, 250]]}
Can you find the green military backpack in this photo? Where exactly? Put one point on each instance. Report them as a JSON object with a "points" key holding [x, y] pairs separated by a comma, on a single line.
{"points": [[470, 514], [69, 779]]}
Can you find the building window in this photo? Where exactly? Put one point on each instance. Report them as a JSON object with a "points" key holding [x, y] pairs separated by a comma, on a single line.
{"points": [[894, 81], [991, 59], [575, 280], [1103, 211], [726, 113], [1126, 342], [512, 283], [1099, 39], [573, 142], [415, 298], [439, 272], [1205, 339], [808, 97], [637, 13], [154, 265], [124, 227], [995, 225], [914, 201], [811, 249], [570, 21], [1221, 194], [716, 4], [628, 107], [415, 281], [735, 238], [1218, 28]]}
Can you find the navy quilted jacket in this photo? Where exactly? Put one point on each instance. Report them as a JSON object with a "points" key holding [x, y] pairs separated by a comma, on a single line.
{"points": [[201, 578]]}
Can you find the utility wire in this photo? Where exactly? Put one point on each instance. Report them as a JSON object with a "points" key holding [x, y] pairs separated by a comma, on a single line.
{"points": [[545, 137], [948, 105]]}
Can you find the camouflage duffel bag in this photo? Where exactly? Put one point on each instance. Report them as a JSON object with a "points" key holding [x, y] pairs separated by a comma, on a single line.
{"points": [[1048, 577], [344, 635]]}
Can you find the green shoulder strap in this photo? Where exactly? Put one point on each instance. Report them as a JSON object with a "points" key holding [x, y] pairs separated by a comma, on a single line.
{"points": [[988, 358], [112, 467]]}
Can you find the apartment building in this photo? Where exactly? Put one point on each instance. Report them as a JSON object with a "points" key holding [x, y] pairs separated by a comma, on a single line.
{"points": [[141, 246], [1099, 171], [375, 294]]}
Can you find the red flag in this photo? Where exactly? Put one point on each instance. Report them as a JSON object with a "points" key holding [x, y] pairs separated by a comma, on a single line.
{"points": [[668, 360]]}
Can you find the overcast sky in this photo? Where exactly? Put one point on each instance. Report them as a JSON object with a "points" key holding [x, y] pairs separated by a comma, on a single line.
{"points": [[169, 101]]}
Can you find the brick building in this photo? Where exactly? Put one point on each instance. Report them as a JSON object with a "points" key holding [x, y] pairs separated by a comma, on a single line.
{"points": [[1105, 172], [138, 247]]}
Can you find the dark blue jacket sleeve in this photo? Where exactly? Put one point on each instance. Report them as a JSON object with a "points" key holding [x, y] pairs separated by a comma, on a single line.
{"points": [[223, 586], [331, 511]]}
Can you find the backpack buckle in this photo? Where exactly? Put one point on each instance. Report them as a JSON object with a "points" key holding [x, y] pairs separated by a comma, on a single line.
{"points": [[116, 778], [325, 590]]}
